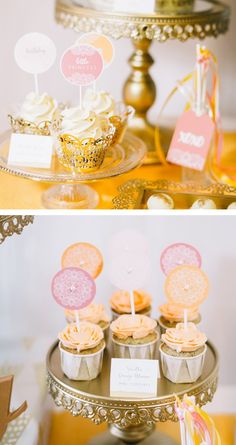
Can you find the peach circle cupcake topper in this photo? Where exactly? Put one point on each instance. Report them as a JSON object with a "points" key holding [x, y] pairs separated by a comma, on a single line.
{"points": [[179, 254], [101, 42], [85, 256], [187, 286], [81, 65], [73, 288]]}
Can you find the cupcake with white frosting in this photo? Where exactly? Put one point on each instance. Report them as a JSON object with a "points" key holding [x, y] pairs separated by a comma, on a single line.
{"points": [[82, 139], [35, 115], [183, 350], [81, 350], [134, 337], [93, 313], [100, 102]]}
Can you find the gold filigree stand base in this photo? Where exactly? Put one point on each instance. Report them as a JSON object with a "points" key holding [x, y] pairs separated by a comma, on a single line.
{"points": [[155, 439], [140, 92]]}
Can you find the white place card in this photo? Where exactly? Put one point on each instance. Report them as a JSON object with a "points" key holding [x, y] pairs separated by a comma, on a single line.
{"points": [[30, 150], [134, 378]]}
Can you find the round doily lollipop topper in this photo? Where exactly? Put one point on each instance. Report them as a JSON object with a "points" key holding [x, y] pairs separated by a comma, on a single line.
{"points": [[129, 271], [73, 288], [187, 286], [101, 42], [179, 254], [85, 256], [128, 241], [35, 53], [81, 65]]}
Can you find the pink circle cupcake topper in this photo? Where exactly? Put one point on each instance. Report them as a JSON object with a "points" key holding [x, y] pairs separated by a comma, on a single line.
{"points": [[73, 288], [179, 254], [81, 65]]}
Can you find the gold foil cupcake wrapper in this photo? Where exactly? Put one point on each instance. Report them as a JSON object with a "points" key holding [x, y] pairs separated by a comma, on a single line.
{"points": [[87, 154], [23, 126]]}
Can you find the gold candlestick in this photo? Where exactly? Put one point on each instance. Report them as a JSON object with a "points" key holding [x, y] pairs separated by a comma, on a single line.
{"points": [[140, 92]]}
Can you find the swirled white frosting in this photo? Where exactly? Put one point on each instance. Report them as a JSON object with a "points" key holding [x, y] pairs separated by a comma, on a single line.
{"points": [[38, 108], [100, 102], [82, 123]]}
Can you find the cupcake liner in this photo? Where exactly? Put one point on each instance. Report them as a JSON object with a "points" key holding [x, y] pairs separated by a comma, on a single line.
{"points": [[182, 369], [144, 352], [115, 315], [81, 367]]}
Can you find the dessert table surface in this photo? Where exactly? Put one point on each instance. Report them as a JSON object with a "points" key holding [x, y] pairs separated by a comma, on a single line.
{"points": [[20, 193]]}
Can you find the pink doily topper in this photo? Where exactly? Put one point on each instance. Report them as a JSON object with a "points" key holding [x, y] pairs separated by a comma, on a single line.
{"points": [[73, 288], [179, 254], [128, 241], [129, 271], [101, 42], [81, 65]]}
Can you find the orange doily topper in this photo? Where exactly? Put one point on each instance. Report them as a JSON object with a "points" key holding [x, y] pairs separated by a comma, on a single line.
{"points": [[84, 256], [187, 286]]}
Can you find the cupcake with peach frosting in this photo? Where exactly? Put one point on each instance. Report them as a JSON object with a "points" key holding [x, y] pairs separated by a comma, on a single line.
{"points": [[183, 350], [134, 336], [120, 303], [93, 313], [172, 313], [81, 350], [88, 336]]}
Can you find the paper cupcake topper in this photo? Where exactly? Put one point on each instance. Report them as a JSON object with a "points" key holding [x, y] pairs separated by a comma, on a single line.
{"points": [[81, 65], [85, 256], [35, 53], [179, 254], [73, 288], [128, 241], [101, 42], [129, 271], [187, 286]]}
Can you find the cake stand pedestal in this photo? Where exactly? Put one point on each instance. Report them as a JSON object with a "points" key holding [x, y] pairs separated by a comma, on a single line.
{"points": [[73, 192], [131, 421], [208, 18]]}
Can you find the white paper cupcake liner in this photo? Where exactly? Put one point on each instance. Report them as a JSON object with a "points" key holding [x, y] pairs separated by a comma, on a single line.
{"points": [[144, 352], [182, 369], [81, 367]]}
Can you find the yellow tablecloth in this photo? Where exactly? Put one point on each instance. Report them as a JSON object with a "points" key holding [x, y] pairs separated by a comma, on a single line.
{"points": [[18, 193], [68, 430]]}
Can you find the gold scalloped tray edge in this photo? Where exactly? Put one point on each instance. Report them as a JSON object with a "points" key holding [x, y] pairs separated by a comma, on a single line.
{"points": [[134, 194]]}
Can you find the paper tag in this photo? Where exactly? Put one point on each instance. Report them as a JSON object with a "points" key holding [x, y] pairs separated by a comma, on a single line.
{"points": [[81, 65], [191, 141], [134, 378], [30, 150], [35, 53]]}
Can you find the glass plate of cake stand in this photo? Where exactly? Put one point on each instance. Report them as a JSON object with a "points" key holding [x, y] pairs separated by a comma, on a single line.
{"points": [[205, 18], [129, 420], [73, 192]]}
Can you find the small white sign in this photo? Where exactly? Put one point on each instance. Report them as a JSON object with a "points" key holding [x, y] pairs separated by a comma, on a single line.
{"points": [[35, 53], [134, 378], [30, 150]]}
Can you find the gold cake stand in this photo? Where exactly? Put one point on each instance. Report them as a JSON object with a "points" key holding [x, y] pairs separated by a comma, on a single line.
{"points": [[208, 18], [129, 420], [72, 192]]}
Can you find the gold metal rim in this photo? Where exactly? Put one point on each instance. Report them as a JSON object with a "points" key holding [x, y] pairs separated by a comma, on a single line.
{"points": [[10, 224], [127, 412], [211, 22]]}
